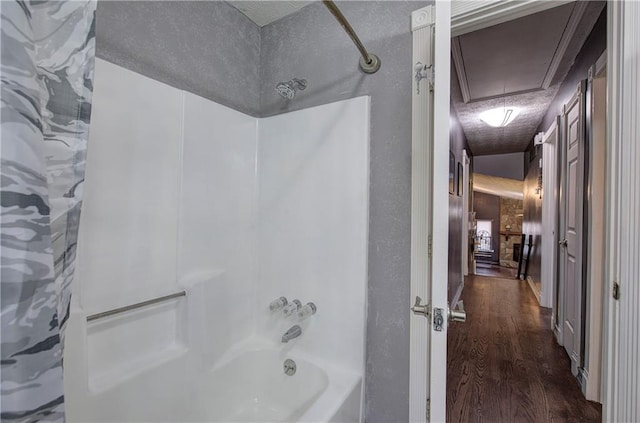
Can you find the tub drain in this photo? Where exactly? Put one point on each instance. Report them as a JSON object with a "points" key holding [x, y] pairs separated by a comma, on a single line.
{"points": [[289, 367]]}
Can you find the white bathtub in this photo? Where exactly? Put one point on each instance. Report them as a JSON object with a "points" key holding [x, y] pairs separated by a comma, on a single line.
{"points": [[253, 387], [248, 384]]}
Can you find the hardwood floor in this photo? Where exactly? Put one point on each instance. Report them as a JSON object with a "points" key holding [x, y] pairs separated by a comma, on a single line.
{"points": [[496, 271], [504, 364]]}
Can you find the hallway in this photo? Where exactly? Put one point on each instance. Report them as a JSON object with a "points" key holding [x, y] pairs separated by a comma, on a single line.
{"points": [[504, 364], [495, 271]]}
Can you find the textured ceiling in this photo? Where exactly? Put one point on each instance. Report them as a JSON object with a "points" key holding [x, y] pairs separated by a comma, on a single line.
{"points": [[517, 57], [264, 12]]}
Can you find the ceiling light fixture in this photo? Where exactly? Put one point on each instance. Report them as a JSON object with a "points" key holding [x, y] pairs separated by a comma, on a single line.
{"points": [[500, 117]]}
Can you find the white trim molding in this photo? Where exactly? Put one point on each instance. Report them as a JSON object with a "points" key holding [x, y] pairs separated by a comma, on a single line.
{"points": [[429, 223], [422, 22], [458, 63], [440, 206], [622, 322], [422, 18], [595, 224], [472, 15], [534, 289], [567, 35]]}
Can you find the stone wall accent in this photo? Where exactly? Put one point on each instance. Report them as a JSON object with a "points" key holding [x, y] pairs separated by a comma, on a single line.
{"points": [[510, 216]]}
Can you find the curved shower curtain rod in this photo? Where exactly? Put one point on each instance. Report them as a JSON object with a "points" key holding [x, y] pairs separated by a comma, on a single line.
{"points": [[369, 62]]}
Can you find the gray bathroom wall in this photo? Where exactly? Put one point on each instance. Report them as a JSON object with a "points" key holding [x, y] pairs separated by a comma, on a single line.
{"points": [[207, 48], [310, 44]]}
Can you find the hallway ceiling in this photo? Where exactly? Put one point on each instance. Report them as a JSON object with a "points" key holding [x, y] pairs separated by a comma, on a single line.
{"points": [[264, 12], [519, 63], [502, 187]]}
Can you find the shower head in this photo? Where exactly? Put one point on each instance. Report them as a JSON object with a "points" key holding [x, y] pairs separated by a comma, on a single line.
{"points": [[288, 89]]}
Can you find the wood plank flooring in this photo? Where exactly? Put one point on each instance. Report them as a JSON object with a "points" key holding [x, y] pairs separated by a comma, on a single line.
{"points": [[504, 364], [496, 271]]}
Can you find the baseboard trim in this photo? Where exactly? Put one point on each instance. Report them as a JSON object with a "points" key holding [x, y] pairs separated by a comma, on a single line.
{"points": [[535, 291], [558, 334], [582, 377]]}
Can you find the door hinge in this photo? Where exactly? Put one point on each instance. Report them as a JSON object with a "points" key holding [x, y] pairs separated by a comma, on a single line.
{"points": [[424, 72], [616, 291], [430, 248], [428, 409]]}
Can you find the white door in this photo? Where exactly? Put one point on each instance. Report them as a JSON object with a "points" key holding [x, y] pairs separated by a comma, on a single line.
{"points": [[571, 241], [431, 28]]}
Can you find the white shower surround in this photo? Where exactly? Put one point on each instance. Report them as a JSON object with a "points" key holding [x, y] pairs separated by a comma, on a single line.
{"points": [[237, 211]]}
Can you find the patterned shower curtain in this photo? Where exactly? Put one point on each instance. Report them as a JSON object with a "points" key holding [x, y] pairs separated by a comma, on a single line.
{"points": [[46, 69]]}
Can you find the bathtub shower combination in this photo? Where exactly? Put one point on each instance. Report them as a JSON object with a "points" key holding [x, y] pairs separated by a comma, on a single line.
{"points": [[222, 261]]}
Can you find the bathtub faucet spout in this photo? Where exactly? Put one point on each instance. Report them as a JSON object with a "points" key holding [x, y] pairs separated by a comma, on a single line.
{"points": [[293, 332]]}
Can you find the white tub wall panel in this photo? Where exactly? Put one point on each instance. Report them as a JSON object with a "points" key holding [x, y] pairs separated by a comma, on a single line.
{"points": [[195, 324], [217, 216], [167, 393], [313, 210], [227, 317], [121, 346], [310, 240], [128, 231]]}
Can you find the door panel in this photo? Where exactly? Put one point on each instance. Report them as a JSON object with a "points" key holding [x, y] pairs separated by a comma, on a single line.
{"points": [[572, 211], [569, 323]]}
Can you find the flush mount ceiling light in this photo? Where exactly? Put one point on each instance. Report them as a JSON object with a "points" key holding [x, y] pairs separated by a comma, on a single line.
{"points": [[500, 117]]}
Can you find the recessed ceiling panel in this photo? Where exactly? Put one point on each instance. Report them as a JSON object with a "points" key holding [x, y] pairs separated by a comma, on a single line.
{"points": [[515, 56]]}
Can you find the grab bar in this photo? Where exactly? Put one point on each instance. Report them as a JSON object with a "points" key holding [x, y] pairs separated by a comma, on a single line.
{"points": [[134, 306]]}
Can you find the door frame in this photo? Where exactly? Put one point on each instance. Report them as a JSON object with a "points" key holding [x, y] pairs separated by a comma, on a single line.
{"points": [[621, 323], [429, 225], [550, 191], [594, 256], [422, 22], [623, 48]]}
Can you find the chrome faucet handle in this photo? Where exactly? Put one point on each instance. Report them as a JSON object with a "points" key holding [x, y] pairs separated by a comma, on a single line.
{"points": [[307, 310], [294, 306], [278, 303]]}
